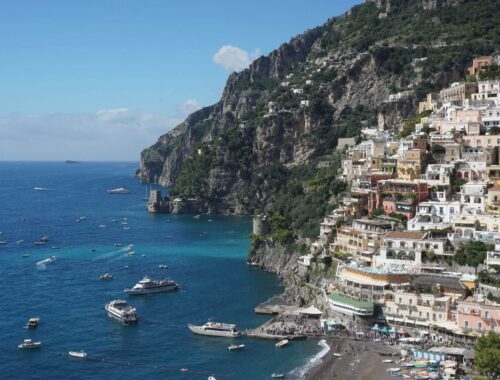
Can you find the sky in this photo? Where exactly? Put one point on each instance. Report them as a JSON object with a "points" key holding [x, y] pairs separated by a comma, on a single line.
{"points": [[101, 80]]}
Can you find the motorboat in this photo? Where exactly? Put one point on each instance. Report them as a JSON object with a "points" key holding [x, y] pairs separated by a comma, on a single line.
{"points": [[236, 347], [337, 355], [40, 242], [118, 245], [163, 266], [216, 329], [55, 247], [121, 311], [78, 354], [120, 190], [211, 378], [20, 241], [102, 226], [32, 323], [29, 344], [278, 376], [44, 238], [105, 277], [48, 260], [3, 242], [25, 255], [282, 343], [131, 253], [148, 286]]}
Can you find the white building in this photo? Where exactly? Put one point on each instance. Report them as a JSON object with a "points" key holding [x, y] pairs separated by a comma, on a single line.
{"points": [[434, 215], [472, 196]]}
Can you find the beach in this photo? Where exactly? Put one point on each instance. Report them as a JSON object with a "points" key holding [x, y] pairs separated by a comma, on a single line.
{"points": [[361, 360]]}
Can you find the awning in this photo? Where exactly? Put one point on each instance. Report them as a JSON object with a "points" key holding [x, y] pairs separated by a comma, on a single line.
{"points": [[311, 310]]}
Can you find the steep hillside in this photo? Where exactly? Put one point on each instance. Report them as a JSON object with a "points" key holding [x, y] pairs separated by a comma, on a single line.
{"points": [[269, 143]]}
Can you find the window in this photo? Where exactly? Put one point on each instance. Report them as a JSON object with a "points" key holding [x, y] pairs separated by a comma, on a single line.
{"points": [[400, 300], [466, 324], [479, 326], [486, 314], [411, 301]]}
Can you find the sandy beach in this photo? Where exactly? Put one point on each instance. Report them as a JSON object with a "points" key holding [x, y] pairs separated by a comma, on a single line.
{"points": [[361, 360]]}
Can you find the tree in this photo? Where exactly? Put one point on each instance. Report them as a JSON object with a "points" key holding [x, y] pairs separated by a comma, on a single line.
{"points": [[472, 253], [487, 357]]}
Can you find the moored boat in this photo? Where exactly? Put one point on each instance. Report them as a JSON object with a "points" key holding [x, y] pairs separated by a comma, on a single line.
{"points": [[29, 344], [121, 311], [216, 329], [282, 343], [148, 286], [278, 375], [105, 277]]}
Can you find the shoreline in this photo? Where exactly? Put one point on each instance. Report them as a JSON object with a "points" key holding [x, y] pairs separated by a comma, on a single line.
{"points": [[360, 361]]}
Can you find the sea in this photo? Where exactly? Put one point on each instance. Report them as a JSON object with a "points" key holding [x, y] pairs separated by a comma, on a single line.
{"points": [[205, 255]]}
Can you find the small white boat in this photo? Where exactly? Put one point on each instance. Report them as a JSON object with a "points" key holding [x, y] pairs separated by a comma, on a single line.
{"points": [[118, 245], [44, 238], [163, 266], [387, 361], [20, 241], [337, 355], [105, 277], [40, 242], [102, 226], [120, 190], [3, 242], [394, 370], [131, 253], [184, 370], [54, 247], [211, 378], [26, 255], [278, 376], [235, 347], [32, 323], [281, 343], [196, 216], [49, 260], [78, 354], [29, 344], [126, 228]]}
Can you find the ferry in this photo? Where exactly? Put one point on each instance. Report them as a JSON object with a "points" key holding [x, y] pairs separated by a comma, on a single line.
{"points": [[32, 323], [148, 286], [120, 190], [28, 344], [121, 311], [216, 329]]}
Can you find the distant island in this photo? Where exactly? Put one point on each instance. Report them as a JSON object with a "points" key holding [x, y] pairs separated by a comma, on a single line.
{"points": [[72, 162]]}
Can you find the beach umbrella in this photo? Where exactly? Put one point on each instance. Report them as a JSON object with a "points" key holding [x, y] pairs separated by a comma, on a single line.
{"points": [[392, 330], [384, 330], [402, 331], [375, 328]]}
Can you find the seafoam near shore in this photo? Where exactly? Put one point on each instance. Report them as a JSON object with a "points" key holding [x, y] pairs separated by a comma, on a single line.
{"points": [[315, 361]]}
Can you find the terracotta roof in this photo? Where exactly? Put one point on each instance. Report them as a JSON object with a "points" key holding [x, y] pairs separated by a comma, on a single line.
{"points": [[405, 234]]}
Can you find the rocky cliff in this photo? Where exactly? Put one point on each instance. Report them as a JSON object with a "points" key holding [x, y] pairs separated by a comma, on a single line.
{"points": [[289, 108]]}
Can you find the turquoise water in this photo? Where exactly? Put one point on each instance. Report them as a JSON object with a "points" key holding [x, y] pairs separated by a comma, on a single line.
{"points": [[206, 256]]}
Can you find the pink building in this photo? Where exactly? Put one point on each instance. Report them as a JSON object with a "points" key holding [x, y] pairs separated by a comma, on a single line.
{"points": [[478, 316]]}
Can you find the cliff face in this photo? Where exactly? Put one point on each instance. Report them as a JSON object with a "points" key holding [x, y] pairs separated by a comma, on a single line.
{"points": [[288, 109]]}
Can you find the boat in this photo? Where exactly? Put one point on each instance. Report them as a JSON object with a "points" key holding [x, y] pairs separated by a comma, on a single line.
{"points": [[184, 370], [29, 344], [121, 311], [216, 329], [131, 253], [337, 355], [235, 347], [25, 255], [126, 228], [32, 323], [387, 361], [44, 238], [3, 242], [55, 247], [105, 277], [278, 376], [148, 286], [20, 241], [40, 242], [118, 245], [78, 354], [163, 266], [50, 259], [102, 226], [211, 378], [281, 343], [197, 216], [36, 188], [120, 190]]}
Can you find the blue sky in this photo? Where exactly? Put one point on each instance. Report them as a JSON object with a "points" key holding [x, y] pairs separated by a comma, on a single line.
{"points": [[102, 79]]}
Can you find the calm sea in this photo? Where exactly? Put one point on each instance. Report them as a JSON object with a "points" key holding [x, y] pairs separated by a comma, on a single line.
{"points": [[206, 256]]}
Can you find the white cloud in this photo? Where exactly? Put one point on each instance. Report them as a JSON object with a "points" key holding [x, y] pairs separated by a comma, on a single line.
{"points": [[188, 107], [108, 134], [233, 58]]}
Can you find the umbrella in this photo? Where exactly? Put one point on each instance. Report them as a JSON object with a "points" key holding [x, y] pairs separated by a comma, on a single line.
{"points": [[384, 330], [402, 331], [392, 330], [375, 328]]}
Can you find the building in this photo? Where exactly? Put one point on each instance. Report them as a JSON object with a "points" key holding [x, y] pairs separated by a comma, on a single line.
{"points": [[472, 196], [478, 315], [434, 215], [479, 63], [457, 93]]}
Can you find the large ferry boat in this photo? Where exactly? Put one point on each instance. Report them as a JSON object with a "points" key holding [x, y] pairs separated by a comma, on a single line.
{"points": [[216, 329], [122, 311], [148, 286]]}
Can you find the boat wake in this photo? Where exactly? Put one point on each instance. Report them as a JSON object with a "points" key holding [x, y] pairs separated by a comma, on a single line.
{"points": [[41, 188], [111, 253], [299, 373]]}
